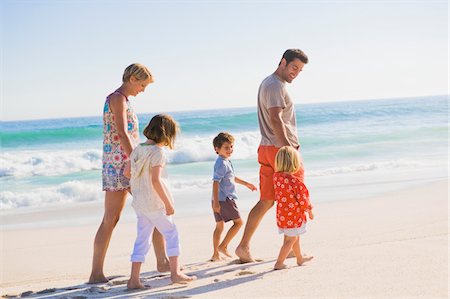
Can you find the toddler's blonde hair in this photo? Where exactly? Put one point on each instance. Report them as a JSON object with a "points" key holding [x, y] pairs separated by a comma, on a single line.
{"points": [[137, 70], [162, 128], [287, 160]]}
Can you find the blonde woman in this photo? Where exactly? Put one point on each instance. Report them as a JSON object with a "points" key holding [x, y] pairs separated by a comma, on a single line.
{"points": [[120, 132]]}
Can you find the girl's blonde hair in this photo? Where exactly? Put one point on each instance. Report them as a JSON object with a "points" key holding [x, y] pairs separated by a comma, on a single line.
{"points": [[162, 128], [137, 70], [287, 160]]}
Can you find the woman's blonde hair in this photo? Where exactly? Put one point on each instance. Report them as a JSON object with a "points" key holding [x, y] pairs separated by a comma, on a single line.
{"points": [[287, 160], [162, 128], [137, 70]]}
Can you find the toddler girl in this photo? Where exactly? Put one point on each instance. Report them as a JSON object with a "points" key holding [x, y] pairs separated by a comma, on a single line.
{"points": [[292, 203]]}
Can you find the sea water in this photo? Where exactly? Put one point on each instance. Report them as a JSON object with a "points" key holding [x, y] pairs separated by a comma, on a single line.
{"points": [[351, 150]]}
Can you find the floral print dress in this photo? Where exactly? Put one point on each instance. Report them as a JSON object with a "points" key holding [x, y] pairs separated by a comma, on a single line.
{"points": [[114, 159], [292, 198]]}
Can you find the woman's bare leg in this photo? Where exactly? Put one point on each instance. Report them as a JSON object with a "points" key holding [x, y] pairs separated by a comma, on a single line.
{"points": [[114, 203]]}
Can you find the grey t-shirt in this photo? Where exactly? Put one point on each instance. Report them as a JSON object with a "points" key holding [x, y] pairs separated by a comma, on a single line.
{"points": [[272, 93]]}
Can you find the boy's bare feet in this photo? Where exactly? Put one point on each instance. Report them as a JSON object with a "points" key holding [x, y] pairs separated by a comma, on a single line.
{"points": [[244, 254], [304, 259], [135, 285], [215, 257], [280, 266], [224, 251], [97, 279], [182, 278]]}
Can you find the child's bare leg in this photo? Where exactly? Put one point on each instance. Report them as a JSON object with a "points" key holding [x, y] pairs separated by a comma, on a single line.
{"points": [[135, 282], [216, 240], [284, 251], [298, 253], [223, 247], [175, 274], [159, 246]]}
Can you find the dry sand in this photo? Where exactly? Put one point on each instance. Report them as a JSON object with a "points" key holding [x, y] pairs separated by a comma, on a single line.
{"points": [[390, 246]]}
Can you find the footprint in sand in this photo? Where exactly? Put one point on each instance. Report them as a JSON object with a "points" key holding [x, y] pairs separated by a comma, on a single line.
{"points": [[245, 272], [117, 282], [97, 289]]}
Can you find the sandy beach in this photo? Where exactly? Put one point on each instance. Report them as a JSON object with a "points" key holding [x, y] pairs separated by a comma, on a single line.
{"points": [[389, 246]]}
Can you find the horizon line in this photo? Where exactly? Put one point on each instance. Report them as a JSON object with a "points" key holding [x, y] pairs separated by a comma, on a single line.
{"points": [[230, 108]]}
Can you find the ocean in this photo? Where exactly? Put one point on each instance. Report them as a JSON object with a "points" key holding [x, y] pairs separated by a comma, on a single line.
{"points": [[351, 150]]}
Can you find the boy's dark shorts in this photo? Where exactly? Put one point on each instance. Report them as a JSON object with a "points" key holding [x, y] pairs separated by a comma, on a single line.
{"points": [[228, 211]]}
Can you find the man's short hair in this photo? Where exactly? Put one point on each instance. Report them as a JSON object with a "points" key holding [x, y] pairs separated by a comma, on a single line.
{"points": [[291, 54]]}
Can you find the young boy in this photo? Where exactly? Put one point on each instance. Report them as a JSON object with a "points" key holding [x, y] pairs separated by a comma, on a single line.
{"points": [[224, 195]]}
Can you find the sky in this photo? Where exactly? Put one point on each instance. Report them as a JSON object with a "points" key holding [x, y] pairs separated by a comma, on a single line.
{"points": [[62, 58]]}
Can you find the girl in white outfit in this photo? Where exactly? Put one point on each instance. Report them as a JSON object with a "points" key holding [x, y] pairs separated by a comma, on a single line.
{"points": [[152, 200]]}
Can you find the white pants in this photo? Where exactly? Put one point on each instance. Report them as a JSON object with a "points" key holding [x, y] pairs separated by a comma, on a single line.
{"points": [[145, 225]]}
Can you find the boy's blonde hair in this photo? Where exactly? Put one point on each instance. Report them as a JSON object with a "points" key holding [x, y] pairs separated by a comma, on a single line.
{"points": [[287, 160], [220, 139], [162, 128], [137, 70]]}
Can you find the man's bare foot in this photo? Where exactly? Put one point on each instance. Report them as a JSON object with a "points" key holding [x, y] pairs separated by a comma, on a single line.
{"points": [[224, 251], [165, 267], [215, 257], [244, 254], [182, 278], [304, 259], [135, 285], [280, 266], [97, 279]]}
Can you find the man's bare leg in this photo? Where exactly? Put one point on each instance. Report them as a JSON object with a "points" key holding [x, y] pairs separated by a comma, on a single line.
{"points": [[254, 218]]}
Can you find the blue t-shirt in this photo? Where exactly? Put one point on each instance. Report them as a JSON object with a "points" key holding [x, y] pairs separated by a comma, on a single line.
{"points": [[224, 174]]}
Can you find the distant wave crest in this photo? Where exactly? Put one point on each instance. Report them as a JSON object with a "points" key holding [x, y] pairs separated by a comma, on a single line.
{"points": [[48, 163], [72, 191]]}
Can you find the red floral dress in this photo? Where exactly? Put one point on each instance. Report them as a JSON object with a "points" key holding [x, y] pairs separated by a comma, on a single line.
{"points": [[292, 198], [114, 159]]}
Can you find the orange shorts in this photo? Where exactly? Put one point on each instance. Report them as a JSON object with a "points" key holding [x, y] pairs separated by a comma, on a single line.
{"points": [[266, 160]]}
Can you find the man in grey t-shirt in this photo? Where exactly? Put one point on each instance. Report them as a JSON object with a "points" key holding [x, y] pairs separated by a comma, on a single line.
{"points": [[278, 127]]}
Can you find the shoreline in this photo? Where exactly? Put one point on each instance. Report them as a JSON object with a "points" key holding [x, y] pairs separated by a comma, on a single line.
{"points": [[398, 247], [322, 190]]}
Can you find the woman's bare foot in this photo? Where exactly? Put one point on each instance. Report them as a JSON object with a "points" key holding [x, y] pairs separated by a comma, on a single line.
{"points": [[182, 278], [224, 251], [97, 279], [135, 285], [280, 266], [215, 257], [244, 254], [304, 259]]}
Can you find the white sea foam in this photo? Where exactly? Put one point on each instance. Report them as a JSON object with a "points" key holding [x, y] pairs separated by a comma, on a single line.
{"points": [[367, 167], [90, 190], [72, 191], [60, 162], [48, 163], [198, 149]]}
